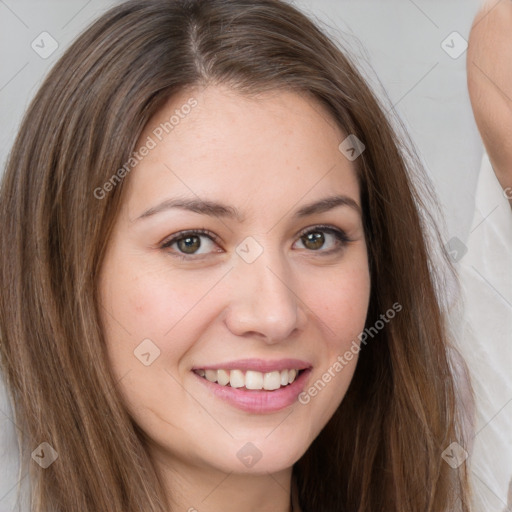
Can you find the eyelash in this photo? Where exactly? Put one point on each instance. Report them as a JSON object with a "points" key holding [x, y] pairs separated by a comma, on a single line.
{"points": [[339, 234]]}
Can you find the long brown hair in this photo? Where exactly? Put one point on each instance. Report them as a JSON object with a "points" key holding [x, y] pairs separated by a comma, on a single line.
{"points": [[382, 448]]}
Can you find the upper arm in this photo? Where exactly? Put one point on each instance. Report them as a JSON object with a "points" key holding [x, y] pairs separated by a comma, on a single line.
{"points": [[489, 69]]}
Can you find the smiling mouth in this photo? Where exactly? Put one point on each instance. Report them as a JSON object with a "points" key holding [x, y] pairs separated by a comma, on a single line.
{"points": [[251, 380]]}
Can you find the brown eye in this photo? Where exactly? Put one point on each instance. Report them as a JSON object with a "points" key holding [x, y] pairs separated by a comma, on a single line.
{"points": [[314, 240], [324, 239], [189, 245]]}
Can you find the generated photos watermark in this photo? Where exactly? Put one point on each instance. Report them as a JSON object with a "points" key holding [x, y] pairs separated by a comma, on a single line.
{"points": [[151, 143], [344, 359]]}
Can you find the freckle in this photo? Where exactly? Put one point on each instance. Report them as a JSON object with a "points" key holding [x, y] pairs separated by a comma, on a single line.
{"points": [[138, 306]]}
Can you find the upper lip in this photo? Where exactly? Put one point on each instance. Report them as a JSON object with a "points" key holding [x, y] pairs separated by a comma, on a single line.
{"points": [[259, 365]]}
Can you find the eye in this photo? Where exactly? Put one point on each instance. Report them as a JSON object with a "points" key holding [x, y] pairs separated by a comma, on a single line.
{"points": [[318, 237], [200, 242], [188, 243]]}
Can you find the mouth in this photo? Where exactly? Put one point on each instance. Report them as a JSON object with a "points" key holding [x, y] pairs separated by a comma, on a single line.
{"points": [[255, 385], [257, 392], [251, 380]]}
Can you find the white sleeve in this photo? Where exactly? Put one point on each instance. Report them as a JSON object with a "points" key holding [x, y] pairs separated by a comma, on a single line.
{"points": [[485, 273]]}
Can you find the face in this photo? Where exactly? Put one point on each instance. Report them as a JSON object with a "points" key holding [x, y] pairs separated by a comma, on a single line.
{"points": [[237, 259]]}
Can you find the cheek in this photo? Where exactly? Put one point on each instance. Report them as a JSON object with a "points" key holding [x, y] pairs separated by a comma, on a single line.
{"points": [[145, 312], [143, 302], [341, 307], [150, 302], [138, 305], [342, 304]]}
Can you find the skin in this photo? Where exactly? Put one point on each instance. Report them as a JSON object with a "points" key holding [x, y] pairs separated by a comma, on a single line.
{"points": [[489, 75], [266, 156]]}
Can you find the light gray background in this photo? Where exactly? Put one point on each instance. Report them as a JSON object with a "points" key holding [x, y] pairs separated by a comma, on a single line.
{"points": [[398, 42]]}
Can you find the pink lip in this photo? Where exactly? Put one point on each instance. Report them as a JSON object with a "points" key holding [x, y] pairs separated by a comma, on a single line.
{"points": [[259, 401], [258, 365]]}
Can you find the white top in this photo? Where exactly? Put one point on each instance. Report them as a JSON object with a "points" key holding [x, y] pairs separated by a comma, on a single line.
{"points": [[485, 273]]}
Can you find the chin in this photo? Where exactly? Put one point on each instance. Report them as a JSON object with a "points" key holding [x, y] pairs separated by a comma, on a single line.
{"points": [[258, 457]]}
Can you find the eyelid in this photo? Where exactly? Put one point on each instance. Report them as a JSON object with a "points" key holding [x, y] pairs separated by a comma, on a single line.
{"points": [[175, 237], [341, 236], [338, 233], [325, 227]]}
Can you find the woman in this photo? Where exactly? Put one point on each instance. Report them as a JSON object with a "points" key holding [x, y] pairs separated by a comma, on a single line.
{"points": [[219, 291]]}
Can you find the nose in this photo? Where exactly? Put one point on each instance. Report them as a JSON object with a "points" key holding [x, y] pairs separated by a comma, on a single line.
{"points": [[264, 302]]}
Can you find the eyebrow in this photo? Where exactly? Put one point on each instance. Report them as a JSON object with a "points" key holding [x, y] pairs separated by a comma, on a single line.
{"points": [[215, 209]]}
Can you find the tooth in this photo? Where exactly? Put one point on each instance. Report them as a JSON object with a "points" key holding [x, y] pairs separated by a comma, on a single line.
{"points": [[222, 377], [271, 381], [236, 379], [211, 375], [253, 380]]}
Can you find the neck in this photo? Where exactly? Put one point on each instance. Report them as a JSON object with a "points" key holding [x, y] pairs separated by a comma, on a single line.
{"points": [[200, 489]]}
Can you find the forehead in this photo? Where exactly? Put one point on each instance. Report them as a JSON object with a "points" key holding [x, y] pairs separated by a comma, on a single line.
{"points": [[216, 142]]}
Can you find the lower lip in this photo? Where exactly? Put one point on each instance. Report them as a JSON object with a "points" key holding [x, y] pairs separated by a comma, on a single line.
{"points": [[259, 401]]}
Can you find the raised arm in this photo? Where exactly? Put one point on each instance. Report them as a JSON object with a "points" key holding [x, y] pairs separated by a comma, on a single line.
{"points": [[489, 68]]}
